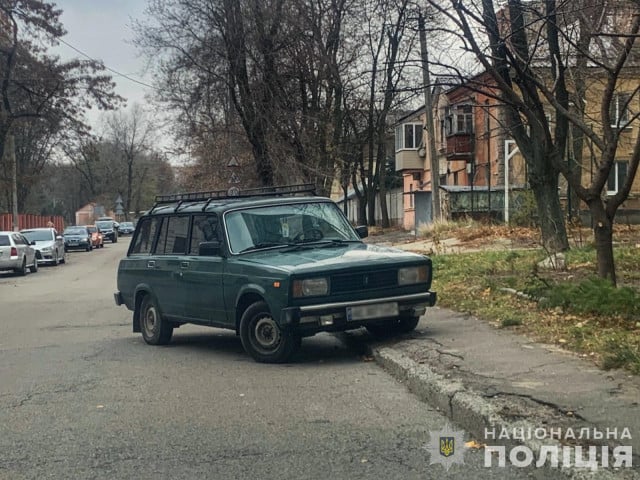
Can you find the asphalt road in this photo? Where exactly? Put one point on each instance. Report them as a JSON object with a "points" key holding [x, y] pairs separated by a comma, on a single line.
{"points": [[83, 397]]}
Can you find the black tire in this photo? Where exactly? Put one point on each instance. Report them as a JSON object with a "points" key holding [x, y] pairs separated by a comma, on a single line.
{"points": [[34, 268], [155, 329], [23, 269], [262, 337], [88, 249], [395, 327]]}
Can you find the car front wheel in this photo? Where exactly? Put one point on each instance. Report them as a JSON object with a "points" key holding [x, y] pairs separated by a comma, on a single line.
{"points": [[262, 337], [34, 268], [155, 329]]}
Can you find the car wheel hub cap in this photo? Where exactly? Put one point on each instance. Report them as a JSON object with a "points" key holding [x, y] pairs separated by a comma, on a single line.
{"points": [[150, 320], [267, 333]]}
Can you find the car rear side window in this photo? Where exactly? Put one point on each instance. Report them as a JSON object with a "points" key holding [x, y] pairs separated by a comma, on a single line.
{"points": [[4, 241], [19, 240], [143, 242], [173, 236], [205, 229]]}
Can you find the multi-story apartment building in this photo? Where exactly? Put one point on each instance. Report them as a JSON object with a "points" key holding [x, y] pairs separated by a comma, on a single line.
{"points": [[478, 160]]}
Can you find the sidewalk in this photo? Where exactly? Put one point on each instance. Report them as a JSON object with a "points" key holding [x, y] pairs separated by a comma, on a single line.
{"points": [[484, 377]]}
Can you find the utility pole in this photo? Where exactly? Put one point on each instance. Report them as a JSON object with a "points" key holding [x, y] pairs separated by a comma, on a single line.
{"points": [[10, 153], [428, 105]]}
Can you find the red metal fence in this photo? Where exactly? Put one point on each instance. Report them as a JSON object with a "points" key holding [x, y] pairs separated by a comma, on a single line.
{"points": [[30, 221]]}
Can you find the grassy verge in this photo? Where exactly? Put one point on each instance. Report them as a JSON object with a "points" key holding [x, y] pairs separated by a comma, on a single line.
{"points": [[570, 308]]}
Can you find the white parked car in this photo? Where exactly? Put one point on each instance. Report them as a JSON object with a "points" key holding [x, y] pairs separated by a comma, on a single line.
{"points": [[17, 254], [49, 244]]}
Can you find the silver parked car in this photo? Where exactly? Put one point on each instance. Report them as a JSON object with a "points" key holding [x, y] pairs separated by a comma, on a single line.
{"points": [[17, 254], [49, 244]]}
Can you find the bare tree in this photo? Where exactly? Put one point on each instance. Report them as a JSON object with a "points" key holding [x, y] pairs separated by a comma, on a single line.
{"points": [[35, 85], [548, 59], [132, 135]]}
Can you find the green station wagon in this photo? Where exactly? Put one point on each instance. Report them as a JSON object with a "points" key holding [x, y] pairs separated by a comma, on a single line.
{"points": [[274, 264]]}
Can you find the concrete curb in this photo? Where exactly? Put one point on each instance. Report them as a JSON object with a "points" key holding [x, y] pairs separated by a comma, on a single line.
{"points": [[470, 410]]}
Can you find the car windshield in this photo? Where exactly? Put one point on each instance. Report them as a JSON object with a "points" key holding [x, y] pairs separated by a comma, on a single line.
{"points": [[38, 235], [283, 225], [106, 224], [126, 224], [75, 231]]}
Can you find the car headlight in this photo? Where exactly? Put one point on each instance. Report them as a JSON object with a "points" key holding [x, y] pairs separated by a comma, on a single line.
{"points": [[411, 275], [310, 287], [46, 249]]}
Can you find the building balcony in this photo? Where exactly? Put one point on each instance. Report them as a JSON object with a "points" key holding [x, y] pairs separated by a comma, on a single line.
{"points": [[409, 159], [459, 146]]}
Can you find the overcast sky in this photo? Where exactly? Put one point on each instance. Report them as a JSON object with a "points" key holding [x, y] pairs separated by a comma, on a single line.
{"points": [[102, 29]]}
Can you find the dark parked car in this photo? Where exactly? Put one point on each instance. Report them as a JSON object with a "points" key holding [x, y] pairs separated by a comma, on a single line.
{"points": [[17, 254], [126, 228], [77, 238], [270, 264], [108, 230]]}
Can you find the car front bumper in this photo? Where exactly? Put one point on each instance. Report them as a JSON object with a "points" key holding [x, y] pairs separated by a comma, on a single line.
{"points": [[45, 257], [339, 316]]}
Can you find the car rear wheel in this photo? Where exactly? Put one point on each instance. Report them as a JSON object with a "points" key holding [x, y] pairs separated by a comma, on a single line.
{"points": [[155, 329], [262, 337], [23, 268], [388, 329], [34, 268]]}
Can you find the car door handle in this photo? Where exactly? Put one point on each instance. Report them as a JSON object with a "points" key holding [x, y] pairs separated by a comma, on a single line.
{"points": [[184, 264], [151, 264]]}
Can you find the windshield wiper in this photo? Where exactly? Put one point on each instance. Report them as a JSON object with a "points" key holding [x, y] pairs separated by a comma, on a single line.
{"points": [[260, 245]]}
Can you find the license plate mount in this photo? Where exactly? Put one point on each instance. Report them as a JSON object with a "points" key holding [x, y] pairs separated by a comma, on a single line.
{"points": [[377, 310]]}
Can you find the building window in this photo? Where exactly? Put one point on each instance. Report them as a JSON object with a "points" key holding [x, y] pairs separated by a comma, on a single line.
{"points": [[458, 119], [619, 110], [408, 136], [617, 177]]}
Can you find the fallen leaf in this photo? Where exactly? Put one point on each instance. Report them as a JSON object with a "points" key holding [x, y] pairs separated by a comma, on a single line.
{"points": [[474, 444]]}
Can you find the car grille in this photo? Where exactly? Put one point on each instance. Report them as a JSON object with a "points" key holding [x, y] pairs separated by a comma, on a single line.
{"points": [[354, 282]]}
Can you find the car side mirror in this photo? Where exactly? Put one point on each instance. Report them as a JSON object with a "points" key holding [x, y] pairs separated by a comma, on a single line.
{"points": [[362, 231], [32, 243], [209, 249]]}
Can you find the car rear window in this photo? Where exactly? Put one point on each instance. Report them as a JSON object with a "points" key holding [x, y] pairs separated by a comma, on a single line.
{"points": [[4, 241]]}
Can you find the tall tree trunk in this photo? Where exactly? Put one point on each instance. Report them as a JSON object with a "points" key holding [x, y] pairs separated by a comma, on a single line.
{"points": [[603, 234], [552, 226]]}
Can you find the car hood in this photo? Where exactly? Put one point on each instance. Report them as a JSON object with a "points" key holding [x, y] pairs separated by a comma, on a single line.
{"points": [[332, 258], [44, 243]]}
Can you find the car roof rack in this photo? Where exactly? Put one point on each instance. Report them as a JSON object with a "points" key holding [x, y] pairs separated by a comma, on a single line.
{"points": [[233, 193]]}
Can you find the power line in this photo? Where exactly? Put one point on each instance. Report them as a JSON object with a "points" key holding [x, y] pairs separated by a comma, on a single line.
{"points": [[131, 79]]}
